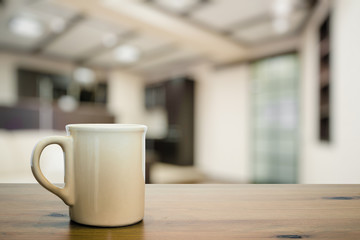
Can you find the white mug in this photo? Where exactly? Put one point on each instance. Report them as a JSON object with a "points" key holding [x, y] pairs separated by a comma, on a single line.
{"points": [[104, 172]]}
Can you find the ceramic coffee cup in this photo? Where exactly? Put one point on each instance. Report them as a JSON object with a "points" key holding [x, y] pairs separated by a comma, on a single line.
{"points": [[104, 172]]}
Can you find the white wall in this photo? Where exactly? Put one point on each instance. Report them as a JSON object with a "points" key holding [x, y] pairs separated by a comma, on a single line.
{"points": [[338, 161], [8, 87], [126, 97], [222, 123]]}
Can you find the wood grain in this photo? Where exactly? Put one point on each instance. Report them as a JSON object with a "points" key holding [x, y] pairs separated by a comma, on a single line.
{"points": [[28, 211]]}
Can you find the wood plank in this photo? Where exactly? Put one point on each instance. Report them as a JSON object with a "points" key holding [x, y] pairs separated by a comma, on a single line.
{"points": [[27, 211]]}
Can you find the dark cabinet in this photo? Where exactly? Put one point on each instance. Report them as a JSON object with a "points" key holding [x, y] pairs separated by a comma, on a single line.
{"points": [[177, 97], [325, 82], [155, 96]]}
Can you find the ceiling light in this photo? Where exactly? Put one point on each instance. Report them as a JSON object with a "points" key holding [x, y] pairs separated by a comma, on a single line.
{"points": [[177, 5], [282, 8], [280, 25], [109, 40], [127, 54], [84, 76], [26, 27]]}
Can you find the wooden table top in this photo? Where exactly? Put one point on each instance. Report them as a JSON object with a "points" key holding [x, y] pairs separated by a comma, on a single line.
{"points": [[27, 211]]}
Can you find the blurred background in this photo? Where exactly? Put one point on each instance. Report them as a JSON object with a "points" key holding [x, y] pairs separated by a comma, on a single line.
{"points": [[233, 91]]}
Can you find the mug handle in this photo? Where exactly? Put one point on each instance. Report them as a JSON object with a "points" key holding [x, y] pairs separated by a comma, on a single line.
{"points": [[65, 142]]}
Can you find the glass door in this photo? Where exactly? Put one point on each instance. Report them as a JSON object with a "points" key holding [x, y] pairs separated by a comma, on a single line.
{"points": [[275, 114]]}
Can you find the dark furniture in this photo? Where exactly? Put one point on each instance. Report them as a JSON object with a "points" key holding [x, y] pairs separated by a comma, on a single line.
{"points": [[38, 95], [196, 212], [325, 82], [176, 96], [27, 116], [19, 117], [29, 84]]}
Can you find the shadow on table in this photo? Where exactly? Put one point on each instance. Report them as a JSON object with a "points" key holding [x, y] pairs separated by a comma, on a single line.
{"points": [[79, 231]]}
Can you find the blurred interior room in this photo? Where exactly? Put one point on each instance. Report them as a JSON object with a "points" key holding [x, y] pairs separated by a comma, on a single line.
{"points": [[232, 91]]}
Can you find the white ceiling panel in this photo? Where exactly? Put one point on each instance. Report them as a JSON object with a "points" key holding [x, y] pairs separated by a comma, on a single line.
{"points": [[266, 30], [176, 55], [221, 14], [106, 59], [38, 11], [52, 9], [256, 33], [145, 42], [148, 42], [107, 27], [78, 41]]}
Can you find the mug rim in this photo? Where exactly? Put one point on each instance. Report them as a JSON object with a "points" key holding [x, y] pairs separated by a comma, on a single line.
{"points": [[106, 127]]}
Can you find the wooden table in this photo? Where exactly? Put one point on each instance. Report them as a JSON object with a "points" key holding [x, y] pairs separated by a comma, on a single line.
{"points": [[28, 211]]}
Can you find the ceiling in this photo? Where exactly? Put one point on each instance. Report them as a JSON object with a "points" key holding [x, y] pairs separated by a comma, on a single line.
{"points": [[164, 32]]}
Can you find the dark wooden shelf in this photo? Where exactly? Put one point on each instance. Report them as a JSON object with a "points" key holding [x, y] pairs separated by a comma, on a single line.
{"points": [[325, 47], [176, 97], [324, 111], [324, 81]]}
